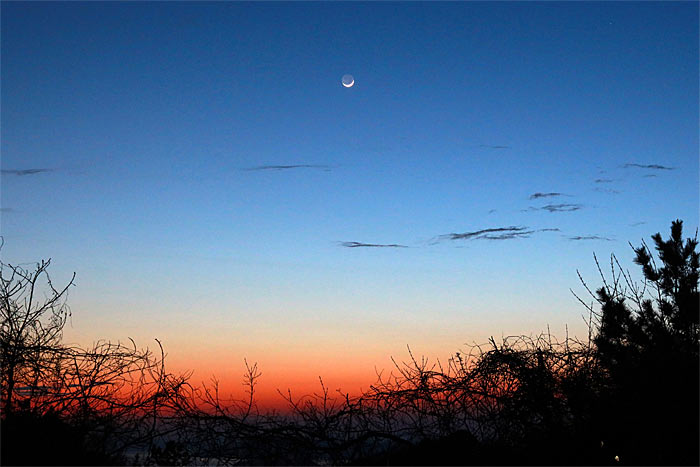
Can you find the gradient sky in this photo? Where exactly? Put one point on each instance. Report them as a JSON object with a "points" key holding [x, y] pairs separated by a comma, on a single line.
{"points": [[155, 128]]}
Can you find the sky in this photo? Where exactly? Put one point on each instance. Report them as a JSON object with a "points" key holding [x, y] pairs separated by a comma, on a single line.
{"points": [[203, 171]]}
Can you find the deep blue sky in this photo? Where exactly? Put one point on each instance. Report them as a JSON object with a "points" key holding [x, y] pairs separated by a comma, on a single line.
{"points": [[147, 116]]}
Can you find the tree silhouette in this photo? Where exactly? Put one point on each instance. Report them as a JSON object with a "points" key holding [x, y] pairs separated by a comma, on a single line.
{"points": [[89, 405], [627, 395], [647, 345], [31, 330], [676, 283]]}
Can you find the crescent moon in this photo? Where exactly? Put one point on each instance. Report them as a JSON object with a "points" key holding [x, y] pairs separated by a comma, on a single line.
{"points": [[349, 85]]}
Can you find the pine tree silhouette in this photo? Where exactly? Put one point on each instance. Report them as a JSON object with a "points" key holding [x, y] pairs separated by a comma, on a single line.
{"points": [[648, 349]]}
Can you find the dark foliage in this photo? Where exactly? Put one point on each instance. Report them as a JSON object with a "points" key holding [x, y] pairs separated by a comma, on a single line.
{"points": [[48, 439], [626, 395], [649, 350]]}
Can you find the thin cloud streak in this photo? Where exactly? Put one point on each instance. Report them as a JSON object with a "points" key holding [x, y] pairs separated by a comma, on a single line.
{"points": [[288, 167], [371, 245], [647, 166], [483, 232], [607, 190], [564, 207], [499, 233], [561, 207], [23, 172], [494, 146], [539, 195], [508, 236], [589, 237]]}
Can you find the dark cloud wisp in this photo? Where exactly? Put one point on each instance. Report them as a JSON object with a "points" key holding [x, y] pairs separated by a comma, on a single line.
{"points": [[498, 233], [589, 237], [539, 195], [564, 207], [371, 245], [647, 166], [508, 235], [484, 232], [23, 172]]}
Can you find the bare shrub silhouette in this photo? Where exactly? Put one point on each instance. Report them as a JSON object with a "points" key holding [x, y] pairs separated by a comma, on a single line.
{"points": [[494, 405], [627, 394], [30, 331], [107, 397]]}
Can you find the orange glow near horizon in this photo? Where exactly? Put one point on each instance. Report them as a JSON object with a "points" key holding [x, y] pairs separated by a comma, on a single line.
{"points": [[345, 359], [299, 373], [276, 380]]}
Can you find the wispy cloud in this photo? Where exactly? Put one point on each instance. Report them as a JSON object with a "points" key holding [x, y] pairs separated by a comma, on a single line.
{"points": [[371, 245], [607, 190], [590, 237], [494, 146], [539, 195], [484, 232], [498, 233], [288, 167], [564, 207], [23, 172], [508, 235], [647, 166]]}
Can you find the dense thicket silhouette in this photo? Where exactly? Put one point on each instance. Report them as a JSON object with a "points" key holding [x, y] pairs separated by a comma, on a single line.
{"points": [[628, 394], [83, 405]]}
